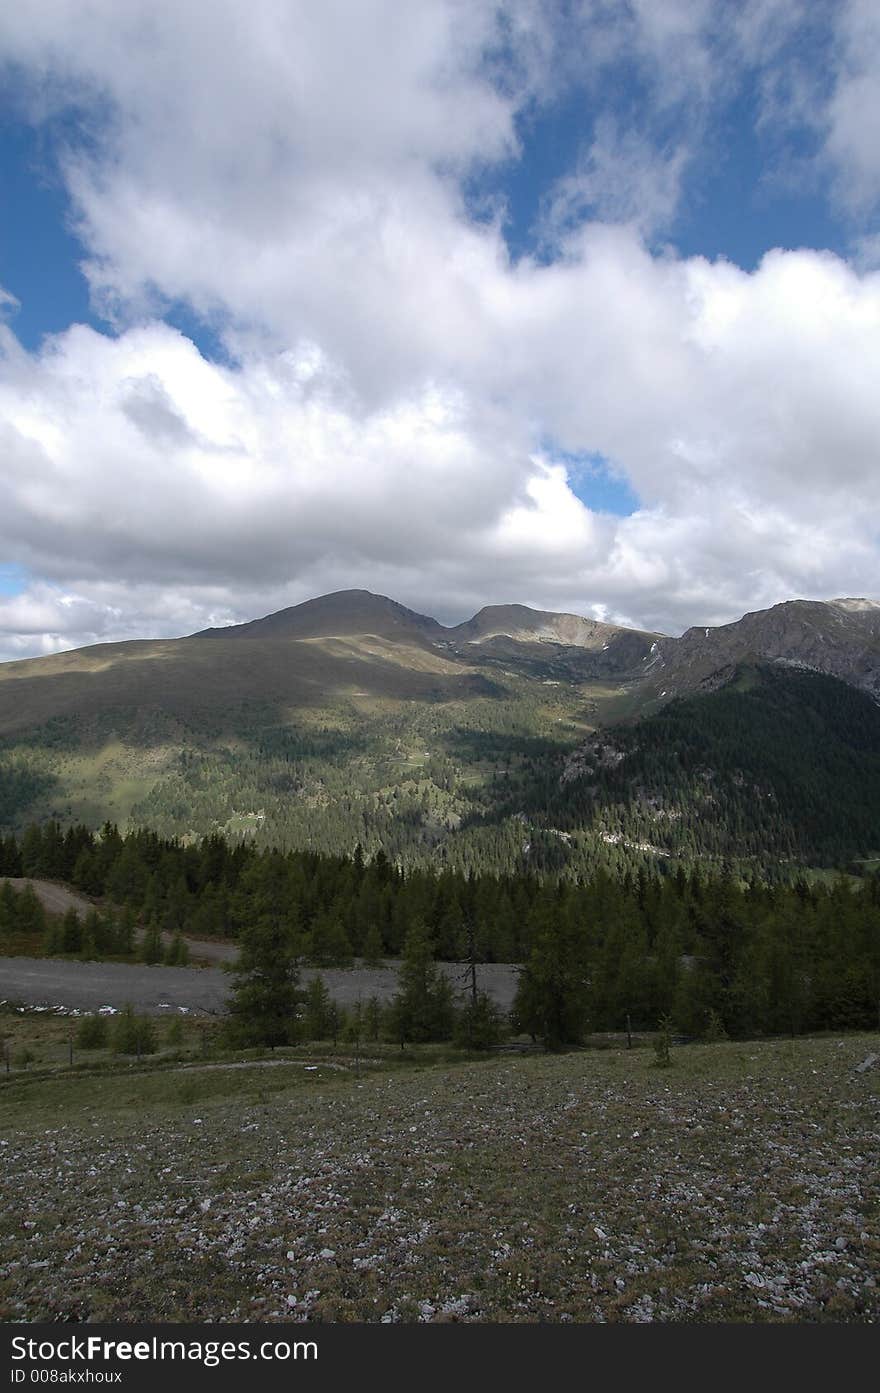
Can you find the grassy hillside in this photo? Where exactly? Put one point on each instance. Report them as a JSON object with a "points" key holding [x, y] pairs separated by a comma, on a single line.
{"points": [[740, 1184], [317, 743], [351, 720]]}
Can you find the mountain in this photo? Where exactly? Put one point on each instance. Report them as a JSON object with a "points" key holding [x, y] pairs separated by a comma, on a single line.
{"points": [[350, 643], [778, 763], [535, 626], [567, 646], [837, 637], [342, 614], [351, 718]]}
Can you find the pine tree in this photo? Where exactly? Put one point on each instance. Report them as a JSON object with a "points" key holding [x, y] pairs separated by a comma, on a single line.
{"points": [[372, 947], [372, 1019], [422, 1008], [552, 995], [330, 945], [316, 1009], [266, 994], [151, 949], [71, 932], [8, 908], [478, 1025], [31, 914], [177, 953], [125, 930]]}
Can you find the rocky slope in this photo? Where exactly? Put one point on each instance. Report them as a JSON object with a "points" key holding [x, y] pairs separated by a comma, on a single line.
{"points": [[837, 637]]}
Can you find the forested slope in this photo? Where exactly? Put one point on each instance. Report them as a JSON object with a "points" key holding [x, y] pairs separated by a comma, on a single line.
{"points": [[775, 765]]}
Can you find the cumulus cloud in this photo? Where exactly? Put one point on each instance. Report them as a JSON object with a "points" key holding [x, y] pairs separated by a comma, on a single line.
{"points": [[399, 398]]}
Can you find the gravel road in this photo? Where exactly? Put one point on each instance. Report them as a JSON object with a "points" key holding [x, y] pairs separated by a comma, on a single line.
{"points": [[89, 986]]}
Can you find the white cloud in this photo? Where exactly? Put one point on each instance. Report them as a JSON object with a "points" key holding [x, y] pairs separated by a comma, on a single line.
{"points": [[621, 178], [852, 119], [392, 374], [744, 411]]}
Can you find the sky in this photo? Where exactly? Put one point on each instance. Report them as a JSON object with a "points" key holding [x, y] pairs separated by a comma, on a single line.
{"points": [[569, 303]]}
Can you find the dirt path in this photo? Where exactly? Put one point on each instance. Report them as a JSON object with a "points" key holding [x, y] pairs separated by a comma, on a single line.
{"points": [[57, 899], [89, 986], [345, 985]]}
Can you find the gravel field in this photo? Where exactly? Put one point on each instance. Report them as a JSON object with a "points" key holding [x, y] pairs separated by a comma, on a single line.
{"points": [[740, 1184], [91, 985]]}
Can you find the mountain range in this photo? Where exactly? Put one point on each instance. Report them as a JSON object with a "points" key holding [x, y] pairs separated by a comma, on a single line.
{"points": [[353, 718]]}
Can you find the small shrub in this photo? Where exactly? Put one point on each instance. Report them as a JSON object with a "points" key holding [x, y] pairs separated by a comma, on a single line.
{"points": [[714, 1027], [133, 1034], [662, 1042], [479, 1024], [91, 1033], [174, 1034]]}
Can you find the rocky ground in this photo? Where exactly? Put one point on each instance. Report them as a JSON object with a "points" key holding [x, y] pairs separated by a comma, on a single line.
{"points": [[739, 1184]]}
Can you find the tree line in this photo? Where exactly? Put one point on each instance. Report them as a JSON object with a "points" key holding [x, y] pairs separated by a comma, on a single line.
{"points": [[716, 953]]}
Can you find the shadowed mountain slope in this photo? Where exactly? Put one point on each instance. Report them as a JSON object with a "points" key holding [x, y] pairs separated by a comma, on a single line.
{"points": [[837, 637]]}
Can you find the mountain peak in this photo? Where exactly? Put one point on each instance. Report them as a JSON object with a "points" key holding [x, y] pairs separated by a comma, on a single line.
{"points": [[342, 613], [855, 605], [535, 625]]}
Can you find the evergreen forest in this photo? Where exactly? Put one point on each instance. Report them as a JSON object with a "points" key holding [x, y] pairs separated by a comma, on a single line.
{"points": [[715, 954]]}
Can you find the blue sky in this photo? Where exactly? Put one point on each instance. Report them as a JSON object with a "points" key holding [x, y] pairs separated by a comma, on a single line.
{"points": [[742, 197], [743, 193], [38, 255], [13, 580], [529, 265]]}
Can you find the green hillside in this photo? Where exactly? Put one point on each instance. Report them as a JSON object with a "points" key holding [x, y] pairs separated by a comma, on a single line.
{"points": [[777, 763], [358, 749]]}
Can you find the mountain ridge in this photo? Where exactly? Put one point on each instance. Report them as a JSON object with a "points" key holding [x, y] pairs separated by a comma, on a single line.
{"points": [[840, 638], [353, 719]]}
